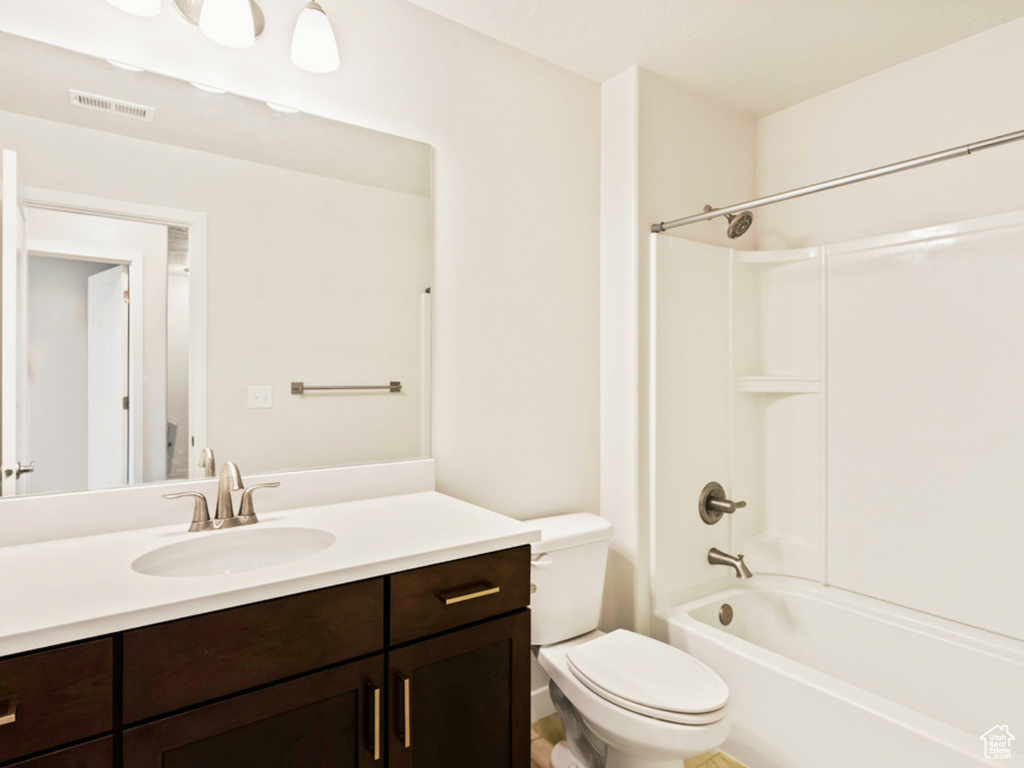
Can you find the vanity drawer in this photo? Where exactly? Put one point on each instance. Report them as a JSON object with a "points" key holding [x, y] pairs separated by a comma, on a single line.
{"points": [[93, 754], [175, 665], [59, 696], [440, 597]]}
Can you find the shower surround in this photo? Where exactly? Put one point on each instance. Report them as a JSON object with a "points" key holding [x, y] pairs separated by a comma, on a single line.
{"points": [[864, 398]]}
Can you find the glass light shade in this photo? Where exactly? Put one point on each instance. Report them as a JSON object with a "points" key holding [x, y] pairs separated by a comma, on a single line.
{"points": [[137, 7], [228, 22], [314, 47]]}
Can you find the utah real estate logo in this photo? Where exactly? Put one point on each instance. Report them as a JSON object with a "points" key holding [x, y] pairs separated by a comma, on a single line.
{"points": [[997, 743]]}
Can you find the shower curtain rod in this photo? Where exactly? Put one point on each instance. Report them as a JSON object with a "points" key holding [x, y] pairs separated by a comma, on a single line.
{"points": [[842, 181]]}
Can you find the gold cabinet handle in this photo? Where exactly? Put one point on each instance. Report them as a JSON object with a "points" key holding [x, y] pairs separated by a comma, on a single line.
{"points": [[375, 721], [451, 598], [9, 714], [406, 731]]}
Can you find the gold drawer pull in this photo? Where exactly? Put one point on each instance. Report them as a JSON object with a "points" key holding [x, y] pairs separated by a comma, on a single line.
{"points": [[10, 714], [455, 597], [375, 724], [406, 730]]}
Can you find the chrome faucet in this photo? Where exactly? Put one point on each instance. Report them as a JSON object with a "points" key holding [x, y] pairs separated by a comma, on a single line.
{"points": [[718, 557], [230, 480]]}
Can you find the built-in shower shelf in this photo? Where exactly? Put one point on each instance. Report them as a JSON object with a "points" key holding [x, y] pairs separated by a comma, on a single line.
{"points": [[770, 258], [782, 385]]}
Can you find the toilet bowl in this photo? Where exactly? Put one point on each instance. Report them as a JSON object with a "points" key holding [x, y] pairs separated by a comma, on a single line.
{"points": [[634, 732], [626, 700]]}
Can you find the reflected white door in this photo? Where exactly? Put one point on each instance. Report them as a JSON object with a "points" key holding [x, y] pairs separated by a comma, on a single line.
{"points": [[14, 330], [108, 378]]}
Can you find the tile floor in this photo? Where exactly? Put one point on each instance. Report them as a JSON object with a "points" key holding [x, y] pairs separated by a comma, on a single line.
{"points": [[544, 734]]}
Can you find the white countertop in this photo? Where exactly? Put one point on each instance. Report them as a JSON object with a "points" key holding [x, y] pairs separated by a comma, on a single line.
{"points": [[72, 589]]}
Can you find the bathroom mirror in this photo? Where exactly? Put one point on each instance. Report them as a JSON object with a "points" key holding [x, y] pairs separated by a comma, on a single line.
{"points": [[176, 260]]}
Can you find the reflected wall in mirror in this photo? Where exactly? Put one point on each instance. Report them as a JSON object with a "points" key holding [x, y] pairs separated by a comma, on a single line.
{"points": [[171, 266]]}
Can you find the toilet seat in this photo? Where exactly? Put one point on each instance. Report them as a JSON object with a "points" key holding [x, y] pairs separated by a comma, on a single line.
{"points": [[650, 678]]}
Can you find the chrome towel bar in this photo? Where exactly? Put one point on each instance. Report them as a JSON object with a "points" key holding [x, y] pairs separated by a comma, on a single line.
{"points": [[298, 388]]}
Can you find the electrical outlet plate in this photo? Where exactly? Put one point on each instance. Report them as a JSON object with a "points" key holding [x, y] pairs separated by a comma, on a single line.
{"points": [[261, 397]]}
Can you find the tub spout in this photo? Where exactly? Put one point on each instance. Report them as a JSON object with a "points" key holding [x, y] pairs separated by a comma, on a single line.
{"points": [[718, 557]]}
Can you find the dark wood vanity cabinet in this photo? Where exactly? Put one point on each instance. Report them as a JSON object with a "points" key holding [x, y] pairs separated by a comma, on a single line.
{"points": [[98, 753], [55, 697], [326, 719], [190, 661], [420, 669], [462, 698]]}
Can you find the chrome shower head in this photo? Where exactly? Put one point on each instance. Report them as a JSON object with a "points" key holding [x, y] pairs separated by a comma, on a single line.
{"points": [[739, 223]]}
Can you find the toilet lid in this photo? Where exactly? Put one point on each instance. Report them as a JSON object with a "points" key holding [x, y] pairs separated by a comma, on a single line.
{"points": [[650, 678]]}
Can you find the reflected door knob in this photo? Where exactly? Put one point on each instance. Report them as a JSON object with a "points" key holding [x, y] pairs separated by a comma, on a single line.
{"points": [[20, 469]]}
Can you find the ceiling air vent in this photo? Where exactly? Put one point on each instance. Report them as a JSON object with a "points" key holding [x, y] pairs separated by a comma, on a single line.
{"points": [[113, 106]]}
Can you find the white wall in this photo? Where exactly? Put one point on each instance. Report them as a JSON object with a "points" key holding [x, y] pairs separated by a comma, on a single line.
{"points": [[620, 274], [953, 96], [692, 153], [515, 391], [665, 154]]}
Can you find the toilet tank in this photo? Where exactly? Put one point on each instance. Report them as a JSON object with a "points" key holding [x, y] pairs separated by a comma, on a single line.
{"points": [[567, 570]]}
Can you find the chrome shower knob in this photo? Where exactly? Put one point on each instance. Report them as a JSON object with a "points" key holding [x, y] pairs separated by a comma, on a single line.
{"points": [[713, 503]]}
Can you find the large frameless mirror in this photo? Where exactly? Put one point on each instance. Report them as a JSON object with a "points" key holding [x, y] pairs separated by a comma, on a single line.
{"points": [[185, 270]]}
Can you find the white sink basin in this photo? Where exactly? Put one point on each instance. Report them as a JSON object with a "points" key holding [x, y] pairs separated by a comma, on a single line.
{"points": [[234, 550]]}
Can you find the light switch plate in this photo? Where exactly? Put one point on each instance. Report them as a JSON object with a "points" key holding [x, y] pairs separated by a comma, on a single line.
{"points": [[261, 397]]}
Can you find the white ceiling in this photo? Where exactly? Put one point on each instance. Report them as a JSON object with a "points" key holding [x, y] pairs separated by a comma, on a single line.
{"points": [[757, 56]]}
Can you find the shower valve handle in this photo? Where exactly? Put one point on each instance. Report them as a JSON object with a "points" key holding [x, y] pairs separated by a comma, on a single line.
{"points": [[714, 504], [724, 505]]}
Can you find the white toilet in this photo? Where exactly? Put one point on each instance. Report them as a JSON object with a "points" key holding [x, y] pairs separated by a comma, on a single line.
{"points": [[626, 700]]}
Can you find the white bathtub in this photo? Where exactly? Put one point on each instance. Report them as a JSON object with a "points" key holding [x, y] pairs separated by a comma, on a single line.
{"points": [[822, 678]]}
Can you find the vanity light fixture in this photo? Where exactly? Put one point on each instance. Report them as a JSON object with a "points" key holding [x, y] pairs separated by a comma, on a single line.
{"points": [[125, 67], [228, 22], [234, 23], [147, 8], [314, 47]]}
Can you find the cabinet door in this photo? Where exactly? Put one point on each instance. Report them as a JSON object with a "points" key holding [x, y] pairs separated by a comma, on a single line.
{"points": [[331, 719], [463, 699]]}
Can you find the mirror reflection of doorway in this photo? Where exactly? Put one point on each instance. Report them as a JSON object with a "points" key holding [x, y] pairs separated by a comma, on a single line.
{"points": [[104, 370], [105, 355], [77, 426]]}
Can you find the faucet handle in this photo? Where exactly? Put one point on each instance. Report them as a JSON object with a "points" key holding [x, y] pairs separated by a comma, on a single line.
{"points": [[200, 512], [246, 511], [713, 504], [724, 505]]}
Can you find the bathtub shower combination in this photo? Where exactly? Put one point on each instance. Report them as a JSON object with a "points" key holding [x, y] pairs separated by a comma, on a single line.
{"points": [[866, 400]]}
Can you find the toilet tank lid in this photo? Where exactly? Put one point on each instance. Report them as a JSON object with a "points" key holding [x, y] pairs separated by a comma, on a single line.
{"points": [[573, 530]]}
